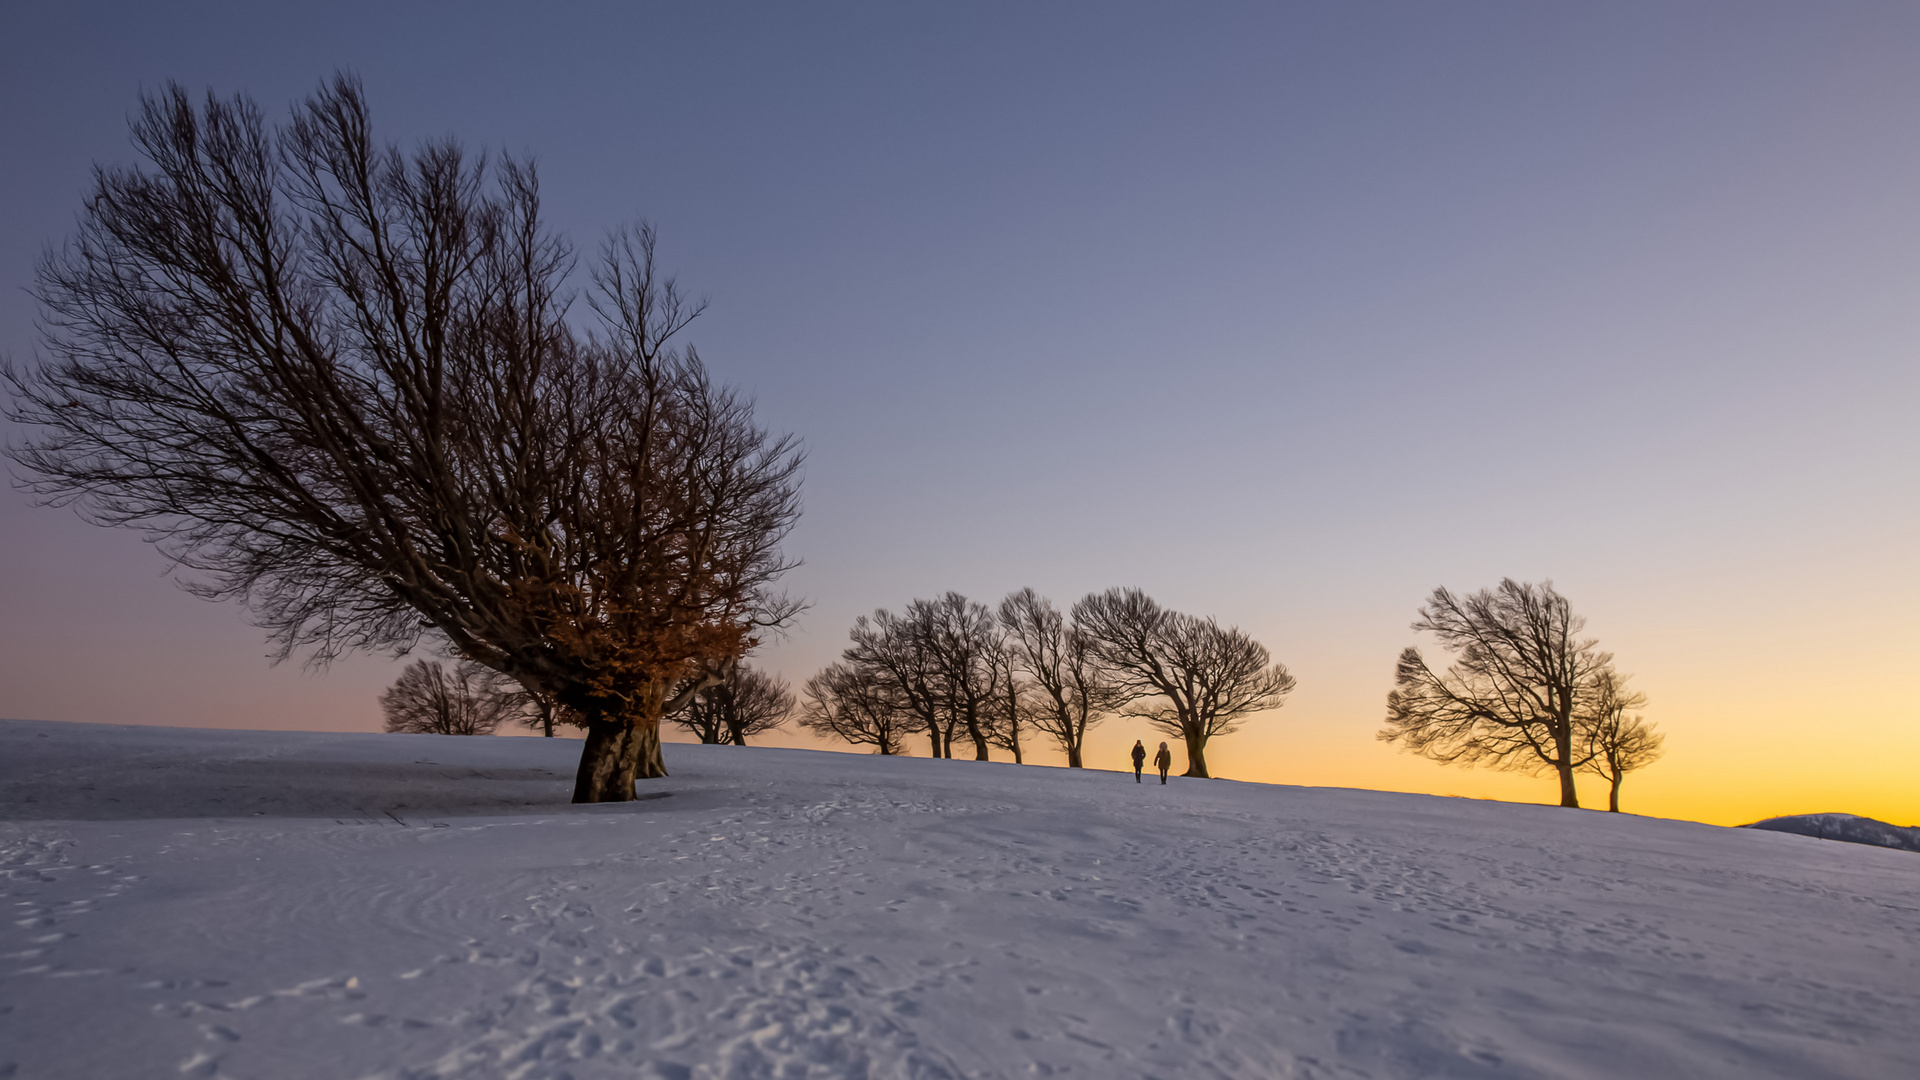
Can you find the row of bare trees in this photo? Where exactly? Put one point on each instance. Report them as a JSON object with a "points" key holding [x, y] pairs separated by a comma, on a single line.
{"points": [[1525, 691], [953, 671], [465, 698]]}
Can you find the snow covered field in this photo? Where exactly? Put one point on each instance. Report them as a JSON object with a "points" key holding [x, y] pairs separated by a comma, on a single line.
{"points": [[274, 905]]}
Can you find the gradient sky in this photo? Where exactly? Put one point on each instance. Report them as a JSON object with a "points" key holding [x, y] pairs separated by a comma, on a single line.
{"points": [[1284, 313]]}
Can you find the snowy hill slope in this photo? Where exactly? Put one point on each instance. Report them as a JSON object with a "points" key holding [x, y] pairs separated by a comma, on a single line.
{"points": [[280, 906], [1849, 828]]}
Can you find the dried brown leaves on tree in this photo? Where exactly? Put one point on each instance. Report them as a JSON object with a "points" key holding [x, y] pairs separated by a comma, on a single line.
{"points": [[339, 381]]}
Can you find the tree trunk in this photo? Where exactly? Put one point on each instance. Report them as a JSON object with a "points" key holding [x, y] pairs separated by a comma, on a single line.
{"points": [[651, 766], [933, 732], [1073, 757], [623, 745], [608, 762], [1613, 797], [1196, 756], [1568, 797], [973, 732]]}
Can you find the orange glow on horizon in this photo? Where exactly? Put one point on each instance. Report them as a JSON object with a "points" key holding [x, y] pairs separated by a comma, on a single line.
{"points": [[1731, 768]]}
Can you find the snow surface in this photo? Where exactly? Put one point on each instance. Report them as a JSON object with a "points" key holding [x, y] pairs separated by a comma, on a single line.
{"points": [[274, 905], [1849, 828]]}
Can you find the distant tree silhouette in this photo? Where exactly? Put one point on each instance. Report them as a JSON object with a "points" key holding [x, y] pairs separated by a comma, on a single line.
{"points": [[1187, 676], [1619, 740], [964, 643], [746, 701], [1522, 690], [895, 653], [431, 699], [1013, 707], [939, 659], [859, 705], [541, 711], [343, 383], [1072, 692]]}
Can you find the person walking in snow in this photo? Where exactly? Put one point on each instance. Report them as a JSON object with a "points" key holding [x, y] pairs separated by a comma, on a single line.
{"points": [[1139, 758], [1163, 761]]}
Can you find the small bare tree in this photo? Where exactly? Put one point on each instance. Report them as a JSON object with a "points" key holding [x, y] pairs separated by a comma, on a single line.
{"points": [[747, 701], [340, 382], [895, 652], [1072, 691], [1187, 676], [1521, 687], [1619, 740], [1013, 707], [963, 642], [860, 705], [430, 699], [541, 711]]}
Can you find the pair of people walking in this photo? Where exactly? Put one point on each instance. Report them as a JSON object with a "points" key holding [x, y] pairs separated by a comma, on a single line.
{"points": [[1162, 760]]}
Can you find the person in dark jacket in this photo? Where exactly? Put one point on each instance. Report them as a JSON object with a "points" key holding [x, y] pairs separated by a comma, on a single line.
{"points": [[1163, 761], [1139, 758]]}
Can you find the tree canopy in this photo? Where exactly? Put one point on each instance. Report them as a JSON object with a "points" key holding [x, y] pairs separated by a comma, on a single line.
{"points": [[1187, 676], [1523, 691]]}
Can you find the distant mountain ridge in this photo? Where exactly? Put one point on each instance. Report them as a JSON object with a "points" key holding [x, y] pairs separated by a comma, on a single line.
{"points": [[1849, 828]]}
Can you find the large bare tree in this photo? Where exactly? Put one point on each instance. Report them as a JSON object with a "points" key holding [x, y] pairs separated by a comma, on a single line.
{"points": [[1521, 690], [746, 701], [1187, 676], [1072, 691], [340, 382]]}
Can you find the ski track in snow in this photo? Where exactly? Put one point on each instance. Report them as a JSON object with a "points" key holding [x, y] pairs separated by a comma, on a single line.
{"points": [[407, 908]]}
